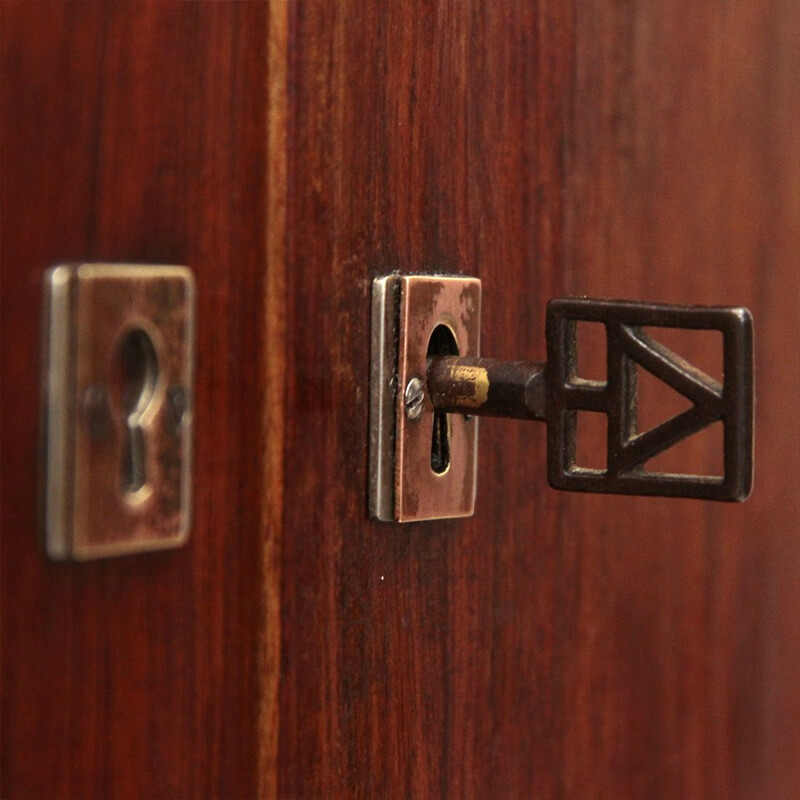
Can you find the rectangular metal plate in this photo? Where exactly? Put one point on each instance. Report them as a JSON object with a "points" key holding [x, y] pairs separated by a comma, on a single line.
{"points": [[403, 484], [118, 396]]}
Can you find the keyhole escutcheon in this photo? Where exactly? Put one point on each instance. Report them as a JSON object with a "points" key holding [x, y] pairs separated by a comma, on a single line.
{"points": [[135, 376]]}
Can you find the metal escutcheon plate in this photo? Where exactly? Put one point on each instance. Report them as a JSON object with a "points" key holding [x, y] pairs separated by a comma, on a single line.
{"points": [[404, 486], [118, 398]]}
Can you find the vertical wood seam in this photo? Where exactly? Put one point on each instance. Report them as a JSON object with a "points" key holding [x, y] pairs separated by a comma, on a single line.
{"points": [[274, 363]]}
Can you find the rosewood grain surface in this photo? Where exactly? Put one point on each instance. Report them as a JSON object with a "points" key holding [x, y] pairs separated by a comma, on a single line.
{"points": [[136, 132], [428, 659], [683, 185], [555, 645]]}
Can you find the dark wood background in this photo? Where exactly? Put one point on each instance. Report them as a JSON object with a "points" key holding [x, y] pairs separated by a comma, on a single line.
{"points": [[135, 132], [553, 645]]}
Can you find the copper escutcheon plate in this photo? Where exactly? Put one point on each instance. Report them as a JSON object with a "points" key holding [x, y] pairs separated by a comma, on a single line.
{"points": [[406, 310], [118, 399]]}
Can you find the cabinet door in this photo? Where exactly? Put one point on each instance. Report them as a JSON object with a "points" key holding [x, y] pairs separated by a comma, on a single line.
{"points": [[135, 132], [553, 644]]}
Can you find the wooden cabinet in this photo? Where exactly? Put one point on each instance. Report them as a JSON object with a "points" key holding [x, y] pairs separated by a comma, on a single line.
{"points": [[553, 645]]}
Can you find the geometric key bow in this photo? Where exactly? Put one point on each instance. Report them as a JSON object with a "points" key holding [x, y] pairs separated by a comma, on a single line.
{"points": [[628, 450]]}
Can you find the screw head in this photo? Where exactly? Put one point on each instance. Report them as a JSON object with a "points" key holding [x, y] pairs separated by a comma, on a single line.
{"points": [[178, 403], [414, 399], [96, 411]]}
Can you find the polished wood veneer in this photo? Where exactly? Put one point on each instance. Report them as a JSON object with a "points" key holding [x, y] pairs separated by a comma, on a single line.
{"points": [[554, 645]]}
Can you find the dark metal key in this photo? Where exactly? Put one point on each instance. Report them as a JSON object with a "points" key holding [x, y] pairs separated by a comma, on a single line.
{"points": [[552, 392]]}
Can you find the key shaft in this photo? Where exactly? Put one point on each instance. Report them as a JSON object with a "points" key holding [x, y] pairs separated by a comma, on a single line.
{"points": [[487, 387]]}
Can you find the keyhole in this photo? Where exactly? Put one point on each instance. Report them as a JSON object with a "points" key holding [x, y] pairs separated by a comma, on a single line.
{"points": [[136, 371], [442, 343]]}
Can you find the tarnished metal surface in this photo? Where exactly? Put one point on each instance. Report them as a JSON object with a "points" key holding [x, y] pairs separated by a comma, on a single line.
{"points": [[553, 392], [404, 486], [628, 450], [488, 387], [383, 391], [119, 350]]}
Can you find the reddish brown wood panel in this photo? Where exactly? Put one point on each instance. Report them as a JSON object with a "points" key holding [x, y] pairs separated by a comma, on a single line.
{"points": [[136, 132], [683, 186], [424, 659], [554, 645]]}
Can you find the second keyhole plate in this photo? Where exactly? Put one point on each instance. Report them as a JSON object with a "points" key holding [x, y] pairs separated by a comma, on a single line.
{"points": [[408, 483], [118, 396]]}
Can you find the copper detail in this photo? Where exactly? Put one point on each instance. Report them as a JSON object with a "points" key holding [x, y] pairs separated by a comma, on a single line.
{"points": [[118, 397], [404, 487]]}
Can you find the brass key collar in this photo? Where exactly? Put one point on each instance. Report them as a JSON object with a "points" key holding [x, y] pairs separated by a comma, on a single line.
{"points": [[487, 387]]}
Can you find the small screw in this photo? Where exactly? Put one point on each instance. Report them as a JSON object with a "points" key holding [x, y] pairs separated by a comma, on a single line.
{"points": [[95, 410], [177, 402], [414, 398]]}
